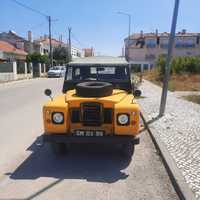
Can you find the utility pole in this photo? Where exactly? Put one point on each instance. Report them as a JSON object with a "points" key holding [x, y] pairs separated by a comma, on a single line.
{"points": [[69, 43], [50, 42], [169, 58]]}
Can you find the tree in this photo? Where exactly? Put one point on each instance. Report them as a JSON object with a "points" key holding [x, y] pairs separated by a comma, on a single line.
{"points": [[44, 59], [37, 58], [61, 55]]}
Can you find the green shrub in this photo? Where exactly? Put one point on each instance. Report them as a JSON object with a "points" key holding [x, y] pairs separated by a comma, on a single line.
{"points": [[180, 65], [161, 62], [177, 66]]}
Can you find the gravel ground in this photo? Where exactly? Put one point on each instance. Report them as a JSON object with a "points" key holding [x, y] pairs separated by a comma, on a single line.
{"points": [[179, 129]]}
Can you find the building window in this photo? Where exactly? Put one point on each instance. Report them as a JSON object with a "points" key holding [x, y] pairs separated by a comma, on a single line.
{"points": [[151, 43], [130, 42], [197, 39], [184, 43], [164, 43]]}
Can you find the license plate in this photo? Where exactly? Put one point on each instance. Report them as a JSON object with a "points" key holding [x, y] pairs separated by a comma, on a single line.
{"points": [[89, 133]]}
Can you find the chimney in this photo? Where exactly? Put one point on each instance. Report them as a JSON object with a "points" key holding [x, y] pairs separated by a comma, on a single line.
{"points": [[184, 31], [123, 54], [156, 32], [141, 33], [30, 38]]}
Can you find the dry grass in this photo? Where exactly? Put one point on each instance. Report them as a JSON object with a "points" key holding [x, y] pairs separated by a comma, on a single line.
{"points": [[182, 82], [193, 98]]}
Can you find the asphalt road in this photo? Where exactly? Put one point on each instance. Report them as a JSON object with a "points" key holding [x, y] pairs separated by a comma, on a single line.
{"points": [[31, 171]]}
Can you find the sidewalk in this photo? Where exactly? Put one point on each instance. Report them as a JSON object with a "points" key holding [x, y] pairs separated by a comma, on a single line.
{"points": [[178, 130]]}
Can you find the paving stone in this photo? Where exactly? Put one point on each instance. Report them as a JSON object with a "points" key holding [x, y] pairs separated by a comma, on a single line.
{"points": [[179, 130]]}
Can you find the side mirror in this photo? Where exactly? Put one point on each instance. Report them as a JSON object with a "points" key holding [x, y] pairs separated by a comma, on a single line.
{"points": [[48, 93], [137, 93]]}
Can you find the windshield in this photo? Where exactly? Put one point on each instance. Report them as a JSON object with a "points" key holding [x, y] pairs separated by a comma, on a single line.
{"points": [[104, 73], [55, 68]]}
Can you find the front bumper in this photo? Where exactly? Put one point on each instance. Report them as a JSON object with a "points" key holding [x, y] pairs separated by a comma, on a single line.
{"points": [[53, 75], [96, 140]]}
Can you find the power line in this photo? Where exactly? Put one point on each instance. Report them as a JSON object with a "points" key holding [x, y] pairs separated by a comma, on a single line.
{"points": [[78, 41], [37, 26], [29, 8], [49, 22], [83, 45]]}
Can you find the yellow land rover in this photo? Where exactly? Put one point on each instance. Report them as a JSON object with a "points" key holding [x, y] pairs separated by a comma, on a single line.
{"points": [[97, 106]]}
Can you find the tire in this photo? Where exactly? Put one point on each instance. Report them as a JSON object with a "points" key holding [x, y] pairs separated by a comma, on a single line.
{"points": [[128, 150], [59, 148], [94, 89]]}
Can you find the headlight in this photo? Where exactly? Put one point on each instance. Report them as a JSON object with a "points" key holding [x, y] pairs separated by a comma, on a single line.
{"points": [[123, 119], [57, 118]]}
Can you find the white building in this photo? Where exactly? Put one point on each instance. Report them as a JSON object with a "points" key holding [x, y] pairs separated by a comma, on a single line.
{"points": [[76, 52], [145, 48]]}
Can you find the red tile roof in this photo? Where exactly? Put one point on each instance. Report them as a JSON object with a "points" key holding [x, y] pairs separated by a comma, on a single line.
{"points": [[53, 41], [9, 48]]}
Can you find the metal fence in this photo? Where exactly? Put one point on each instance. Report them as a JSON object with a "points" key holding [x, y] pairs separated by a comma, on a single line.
{"points": [[6, 67]]}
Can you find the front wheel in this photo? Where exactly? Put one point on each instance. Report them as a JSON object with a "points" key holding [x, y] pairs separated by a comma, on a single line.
{"points": [[59, 148]]}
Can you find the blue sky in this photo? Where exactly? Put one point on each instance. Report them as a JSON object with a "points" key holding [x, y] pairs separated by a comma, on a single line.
{"points": [[96, 22]]}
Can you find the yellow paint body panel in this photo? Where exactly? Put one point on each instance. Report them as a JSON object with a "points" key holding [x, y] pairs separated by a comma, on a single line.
{"points": [[120, 101], [57, 105], [130, 107]]}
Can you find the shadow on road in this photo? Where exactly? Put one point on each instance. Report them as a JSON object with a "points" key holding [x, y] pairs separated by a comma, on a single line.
{"points": [[95, 163]]}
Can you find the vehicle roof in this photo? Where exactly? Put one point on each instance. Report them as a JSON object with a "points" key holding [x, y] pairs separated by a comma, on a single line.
{"points": [[98, 60]]}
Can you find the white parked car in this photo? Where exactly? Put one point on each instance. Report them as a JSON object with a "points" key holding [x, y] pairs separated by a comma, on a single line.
{"points": [[56, 71]]}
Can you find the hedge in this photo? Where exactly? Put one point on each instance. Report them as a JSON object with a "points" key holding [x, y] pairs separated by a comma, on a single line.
{"points": [[180, 65]]}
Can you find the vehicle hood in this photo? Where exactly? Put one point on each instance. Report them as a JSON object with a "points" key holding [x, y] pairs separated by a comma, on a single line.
{"points": [[116, 97]]}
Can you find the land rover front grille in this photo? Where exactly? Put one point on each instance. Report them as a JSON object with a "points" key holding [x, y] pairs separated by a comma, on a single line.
{"points": [[75, 115], [91, 114]]}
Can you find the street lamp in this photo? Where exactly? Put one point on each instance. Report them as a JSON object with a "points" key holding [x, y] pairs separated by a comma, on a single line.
{"points": [[129, 27]]}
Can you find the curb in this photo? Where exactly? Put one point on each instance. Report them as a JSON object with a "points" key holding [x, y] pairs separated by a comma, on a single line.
{"points": [[181, 187]]}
